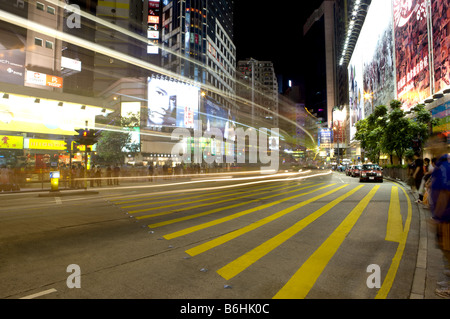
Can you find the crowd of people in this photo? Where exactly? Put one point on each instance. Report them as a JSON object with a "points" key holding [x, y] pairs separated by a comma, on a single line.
{"points": [[430, 178]]}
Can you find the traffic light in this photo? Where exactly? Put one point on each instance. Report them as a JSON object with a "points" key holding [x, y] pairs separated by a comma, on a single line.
{"points": [[87, 137]]}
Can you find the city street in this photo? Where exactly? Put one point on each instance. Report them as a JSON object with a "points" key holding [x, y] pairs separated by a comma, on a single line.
{"points": [[287, 236]]}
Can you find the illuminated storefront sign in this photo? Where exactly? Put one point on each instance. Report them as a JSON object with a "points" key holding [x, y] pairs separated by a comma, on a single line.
{"points": [[11, 142], [153, 26], [153, 19], [41, 144], [325, 138], [22, 114], [43, 79], [153, 34], [70, 64], [442, 112]]}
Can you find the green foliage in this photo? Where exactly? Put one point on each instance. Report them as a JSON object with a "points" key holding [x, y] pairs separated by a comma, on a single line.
{"points": [[115, 142], [393, 132]]}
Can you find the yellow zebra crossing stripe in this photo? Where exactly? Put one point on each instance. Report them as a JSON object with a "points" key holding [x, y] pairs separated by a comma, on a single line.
{"points": [[304, 279], [394, 228], [212, 211], [222, 192], [240, 264], [236, 215], [389, 280], [209, 204], [227, 237]]}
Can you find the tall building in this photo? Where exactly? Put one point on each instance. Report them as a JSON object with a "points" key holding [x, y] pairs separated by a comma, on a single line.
{"points": [[197, 41], [319, 32], [38, 115], [332, 29], [131, 16], [257, 84]]}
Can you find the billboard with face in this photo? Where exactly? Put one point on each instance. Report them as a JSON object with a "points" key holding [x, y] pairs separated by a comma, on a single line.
{"points": [[440, 16], [411, 51], [172, 103]]}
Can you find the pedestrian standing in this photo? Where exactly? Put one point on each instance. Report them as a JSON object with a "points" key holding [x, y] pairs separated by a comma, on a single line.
{"points": [[98, 176], [109, 175], [116, 174], [426, 174], [92, 177], [150, 172], [418, 171]]}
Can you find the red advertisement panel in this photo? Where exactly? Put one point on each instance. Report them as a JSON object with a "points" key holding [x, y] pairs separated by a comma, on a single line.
{"points": [[440, 16], [411, 51]]}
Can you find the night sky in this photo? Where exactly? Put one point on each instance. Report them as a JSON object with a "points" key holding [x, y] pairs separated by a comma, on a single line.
{"points": [[273, 31]]}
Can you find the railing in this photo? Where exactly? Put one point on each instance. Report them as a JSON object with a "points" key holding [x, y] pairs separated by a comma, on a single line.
{"points": [[396, 173]]}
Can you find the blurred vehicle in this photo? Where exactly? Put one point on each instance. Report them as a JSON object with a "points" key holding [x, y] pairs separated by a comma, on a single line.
{"points": [[356, 171], [349, 170], [371, 172]]}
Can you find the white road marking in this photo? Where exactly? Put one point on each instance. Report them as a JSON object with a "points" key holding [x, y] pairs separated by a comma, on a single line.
{"points": [[58, 200], [38, 294]]}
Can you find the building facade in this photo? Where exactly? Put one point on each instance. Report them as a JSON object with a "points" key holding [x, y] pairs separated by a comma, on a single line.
{"points": [[257, 88]]}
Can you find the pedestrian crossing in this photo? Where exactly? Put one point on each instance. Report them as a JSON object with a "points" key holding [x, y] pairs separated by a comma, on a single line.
{"points": [[237, 213]]}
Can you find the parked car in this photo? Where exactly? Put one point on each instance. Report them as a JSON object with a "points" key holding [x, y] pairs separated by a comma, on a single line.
{"points": [[371, 172], [356, 171]]}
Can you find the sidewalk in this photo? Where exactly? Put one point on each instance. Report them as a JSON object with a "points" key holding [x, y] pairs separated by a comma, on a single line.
{"points": [[431, 262]]}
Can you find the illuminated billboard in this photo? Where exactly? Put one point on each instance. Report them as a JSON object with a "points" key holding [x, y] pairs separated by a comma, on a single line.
{"points": [[356, 91], [172, 103], [22, 114], [411, 52], [215, 116], [440, 16], [378, 56], [371, 68]]}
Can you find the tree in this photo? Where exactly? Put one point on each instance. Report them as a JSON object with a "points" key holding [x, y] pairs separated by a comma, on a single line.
{"points": [[392, 132], [116, 140], [370, 131], [397, 136], [421, 127]]}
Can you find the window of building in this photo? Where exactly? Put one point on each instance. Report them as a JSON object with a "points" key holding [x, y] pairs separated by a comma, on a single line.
{"points": [[40, 6], [49, 45], [50, 10], [38, 41]]}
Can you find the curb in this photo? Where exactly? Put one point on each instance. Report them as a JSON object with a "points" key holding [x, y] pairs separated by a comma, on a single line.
{"points": [[420, 272], [67, 193]]}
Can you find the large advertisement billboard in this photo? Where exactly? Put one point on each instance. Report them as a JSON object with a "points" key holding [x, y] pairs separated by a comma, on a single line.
{"points": [[172, 103], [215, 116], [411, 51], [371, 69], [440, 16]]}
